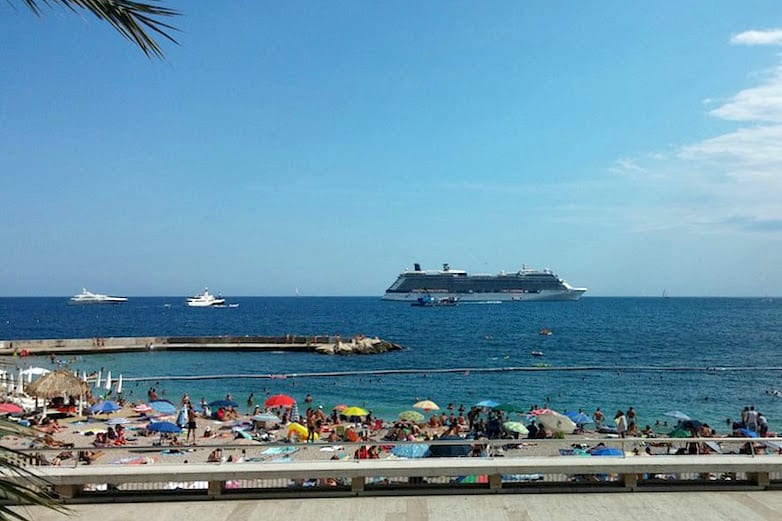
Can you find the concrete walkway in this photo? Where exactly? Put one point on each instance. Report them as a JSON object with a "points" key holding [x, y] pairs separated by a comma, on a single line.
{"points": [[711, 506]]}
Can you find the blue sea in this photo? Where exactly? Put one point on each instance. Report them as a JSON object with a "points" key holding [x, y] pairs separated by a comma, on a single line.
{"points": [[707, 357]]}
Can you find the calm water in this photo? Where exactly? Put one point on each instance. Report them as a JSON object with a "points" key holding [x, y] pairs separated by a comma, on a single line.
{"points": [[607, 334]]}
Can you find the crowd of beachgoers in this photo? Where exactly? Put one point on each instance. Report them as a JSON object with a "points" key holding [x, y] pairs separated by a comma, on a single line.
{"points": [[276, 429]]}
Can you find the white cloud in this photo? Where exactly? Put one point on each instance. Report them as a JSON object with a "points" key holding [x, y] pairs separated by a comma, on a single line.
{"points": [[731, 181], [765, 37]]}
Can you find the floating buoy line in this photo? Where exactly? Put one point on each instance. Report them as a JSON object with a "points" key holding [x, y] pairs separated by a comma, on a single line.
{"points": [[466, 371]]}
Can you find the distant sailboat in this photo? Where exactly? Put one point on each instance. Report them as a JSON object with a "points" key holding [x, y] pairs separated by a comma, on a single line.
{"points": [[665, 293]]}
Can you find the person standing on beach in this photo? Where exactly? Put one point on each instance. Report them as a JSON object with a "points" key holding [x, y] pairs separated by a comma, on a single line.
{"points": [[250, 402], [620, 420], [191, 423], [598, 418]]}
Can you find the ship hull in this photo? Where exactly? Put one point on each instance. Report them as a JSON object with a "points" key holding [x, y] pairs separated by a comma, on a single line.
{"points": [[543, 295]]}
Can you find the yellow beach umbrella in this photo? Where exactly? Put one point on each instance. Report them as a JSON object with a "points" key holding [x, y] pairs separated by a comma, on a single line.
{"points": [[354, 411], [427, 405]]}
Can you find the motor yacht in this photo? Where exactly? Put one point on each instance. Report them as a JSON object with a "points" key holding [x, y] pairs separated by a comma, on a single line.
{"points": [[205, 300], [87, 297]]}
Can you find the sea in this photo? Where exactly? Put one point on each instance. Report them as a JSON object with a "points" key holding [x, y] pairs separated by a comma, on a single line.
{"points": [[706, 357]]}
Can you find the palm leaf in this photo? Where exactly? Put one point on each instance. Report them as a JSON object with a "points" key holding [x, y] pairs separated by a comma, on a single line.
{"points": [[131, 19], [18, 485]]}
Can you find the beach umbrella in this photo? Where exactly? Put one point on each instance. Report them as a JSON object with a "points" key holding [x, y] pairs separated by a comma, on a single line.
{"points": [[266, 417], [691, 424], [516, 427], [119, 384], [426, 405], [105, 407], [340, 407], [579, 418], [411, 416], [223, 403], [279, 400], [10, 408], [557, 422], [354, 411], [295, 413], [56, 383], [678, 415], [108, 381], [410, 450], [142, 408], [118, 421], [164, 406], [538, 412], [487, 403], [164, 427]]}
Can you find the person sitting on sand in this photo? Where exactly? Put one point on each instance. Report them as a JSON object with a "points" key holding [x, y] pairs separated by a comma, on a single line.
{"points": [[88, 456], [216, 456]]}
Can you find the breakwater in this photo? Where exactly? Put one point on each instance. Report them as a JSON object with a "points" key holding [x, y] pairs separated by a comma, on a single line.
{"points": [[323, 344]]}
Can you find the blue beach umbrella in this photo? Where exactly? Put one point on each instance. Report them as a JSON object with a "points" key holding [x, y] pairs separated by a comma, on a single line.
{"points": [[105, 407], [579, 418], [164, 427], [163, 406], [487, 403], [747, 433]]}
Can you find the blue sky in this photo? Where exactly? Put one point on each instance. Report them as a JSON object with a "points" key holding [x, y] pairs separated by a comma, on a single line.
{"points": [[327, 146]]}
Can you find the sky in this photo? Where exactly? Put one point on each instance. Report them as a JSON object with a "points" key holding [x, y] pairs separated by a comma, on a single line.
{"points": [[324, 147]]}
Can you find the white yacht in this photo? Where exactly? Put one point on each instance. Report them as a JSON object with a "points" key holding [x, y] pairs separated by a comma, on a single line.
{"points": [[205, 300], [87, 297]]}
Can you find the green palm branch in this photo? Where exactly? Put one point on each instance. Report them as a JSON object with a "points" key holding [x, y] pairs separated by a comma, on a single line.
{"points": [[134, 20], [19, 486]]}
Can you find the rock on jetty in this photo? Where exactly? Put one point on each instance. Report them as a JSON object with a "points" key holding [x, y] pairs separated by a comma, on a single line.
{"points": [[358, 345]]}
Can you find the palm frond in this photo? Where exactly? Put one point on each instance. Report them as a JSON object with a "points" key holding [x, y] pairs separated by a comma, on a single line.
{"points": [[18, 485], [131, 19]]}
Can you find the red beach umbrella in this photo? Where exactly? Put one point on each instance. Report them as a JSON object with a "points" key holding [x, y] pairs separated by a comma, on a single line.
{"points": [[279, 400]]}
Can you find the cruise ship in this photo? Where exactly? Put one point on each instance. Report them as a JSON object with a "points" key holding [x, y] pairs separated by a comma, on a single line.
{"points": [[527, 284], [87, 297]]}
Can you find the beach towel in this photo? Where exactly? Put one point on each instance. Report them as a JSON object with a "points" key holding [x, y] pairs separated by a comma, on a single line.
{"points": [[275, 451]]}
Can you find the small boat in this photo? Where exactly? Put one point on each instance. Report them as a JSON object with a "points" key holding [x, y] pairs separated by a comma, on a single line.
{"points": [[426, 301], [87, 297], [205, 300], [545, 332], [537, 353]]}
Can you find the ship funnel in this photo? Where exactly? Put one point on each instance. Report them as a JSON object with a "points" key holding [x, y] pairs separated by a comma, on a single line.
{"points": [[417, 267], [446, 267]]}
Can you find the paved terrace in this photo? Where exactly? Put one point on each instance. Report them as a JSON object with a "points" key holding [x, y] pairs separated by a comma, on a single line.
{"points": [[663, 506]]}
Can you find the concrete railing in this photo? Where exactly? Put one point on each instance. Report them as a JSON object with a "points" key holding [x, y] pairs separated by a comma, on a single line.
{"points": [[410, 476]]}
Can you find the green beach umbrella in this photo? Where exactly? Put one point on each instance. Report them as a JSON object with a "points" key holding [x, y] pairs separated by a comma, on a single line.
{"points": [[679, 433], [411, 416], [516, 427]]}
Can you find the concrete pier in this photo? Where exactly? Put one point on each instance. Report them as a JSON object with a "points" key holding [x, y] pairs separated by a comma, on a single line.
{"points": [[97, 345]]}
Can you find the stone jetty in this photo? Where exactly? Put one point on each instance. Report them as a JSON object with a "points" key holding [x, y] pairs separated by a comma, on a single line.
{"points": [[321, 344]]}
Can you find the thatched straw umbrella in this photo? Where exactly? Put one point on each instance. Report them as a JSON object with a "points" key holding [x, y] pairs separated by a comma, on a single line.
{"points": [[56, 384]]}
